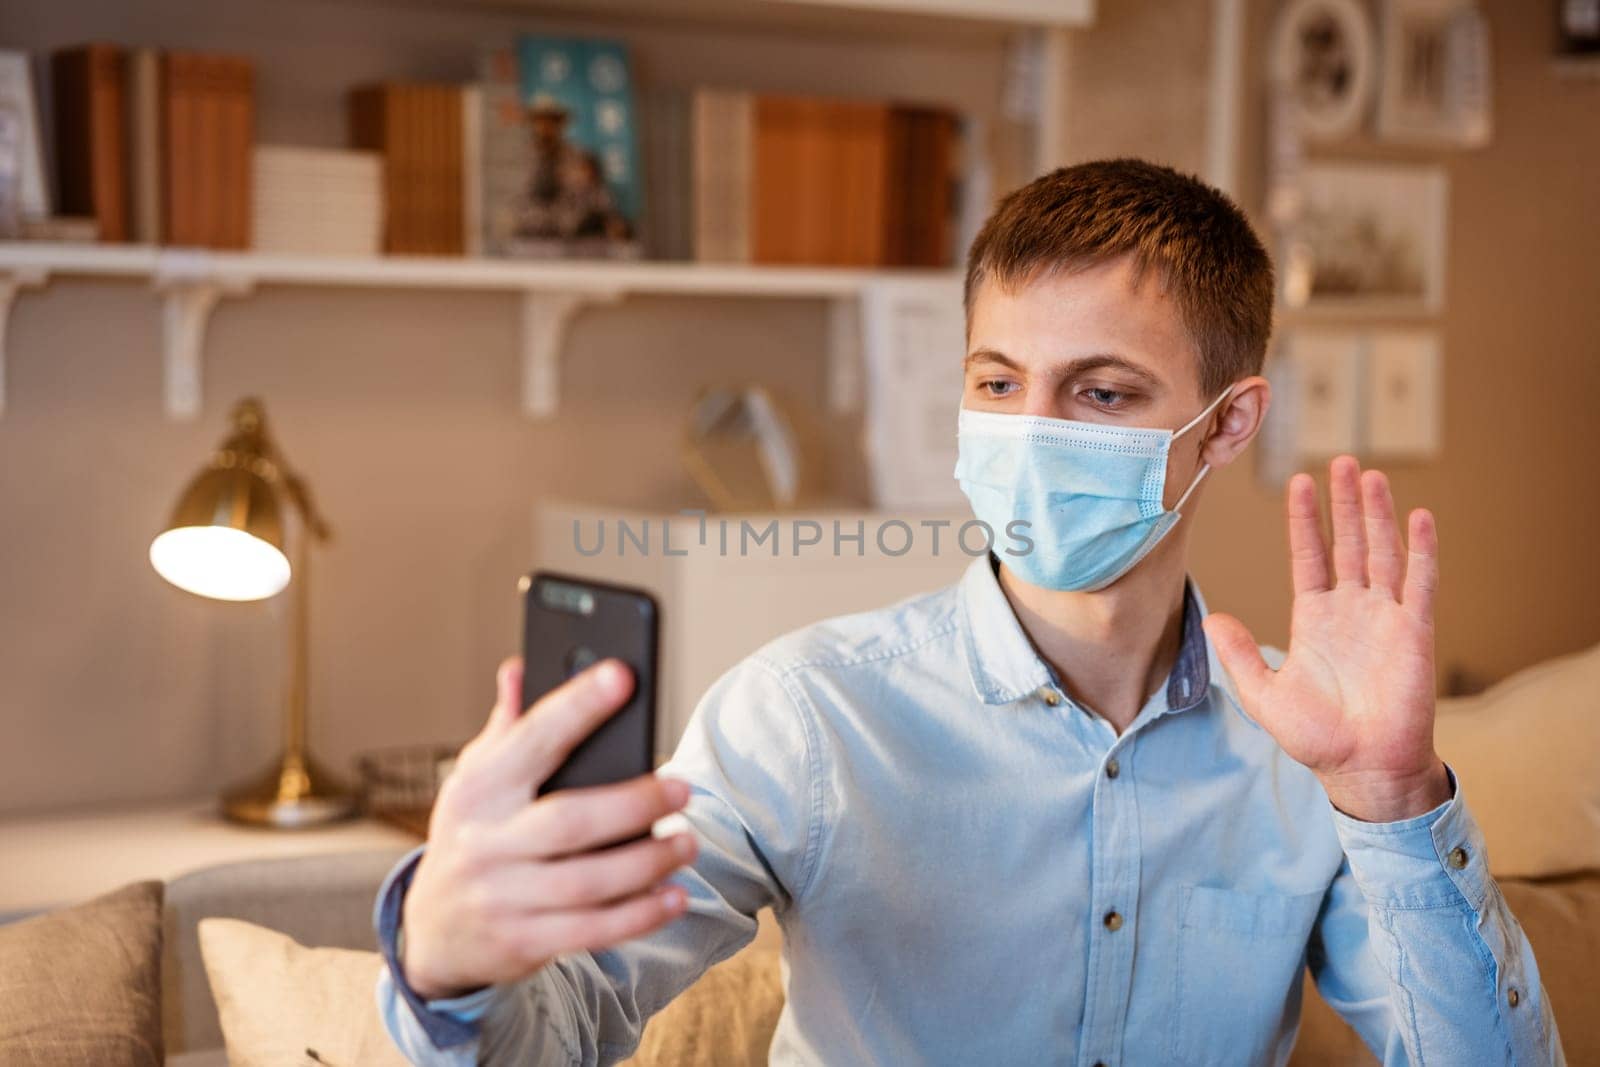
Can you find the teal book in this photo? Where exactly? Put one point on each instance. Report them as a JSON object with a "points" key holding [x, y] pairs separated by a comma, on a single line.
{"points": [[561, 162]]}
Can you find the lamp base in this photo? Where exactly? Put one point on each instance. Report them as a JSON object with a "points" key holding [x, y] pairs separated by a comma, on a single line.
{"points": [[297, 793]]}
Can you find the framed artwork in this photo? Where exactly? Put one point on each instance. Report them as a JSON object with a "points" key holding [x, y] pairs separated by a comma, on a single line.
{"points": [[1436, 73], [1324, 61], [1374, 391], [1368, 239]]}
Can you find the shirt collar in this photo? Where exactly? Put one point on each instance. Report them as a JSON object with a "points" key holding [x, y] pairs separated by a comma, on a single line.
{"points": [[1005, 667]]}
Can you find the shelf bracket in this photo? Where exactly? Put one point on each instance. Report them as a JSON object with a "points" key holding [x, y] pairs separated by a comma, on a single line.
{"points": [[545, 317], [844, 355], [190, 291], [11, 283]]}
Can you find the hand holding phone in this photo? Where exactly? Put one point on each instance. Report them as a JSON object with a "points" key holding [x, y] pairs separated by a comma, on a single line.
{"points": [[571, 623], [507, 882]]}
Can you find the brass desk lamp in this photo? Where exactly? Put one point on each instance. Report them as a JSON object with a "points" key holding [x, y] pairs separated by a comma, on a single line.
{"points": [[226, 540]]}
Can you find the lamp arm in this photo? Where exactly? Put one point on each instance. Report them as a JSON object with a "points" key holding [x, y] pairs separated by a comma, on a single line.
{"points": [[300, 494]]}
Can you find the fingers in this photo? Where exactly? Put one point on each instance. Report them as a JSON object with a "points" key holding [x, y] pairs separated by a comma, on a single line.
{"points": [[1349, 531], [1308, 553], [599, 878], [1240, 656], [543, 737], [1386, 563], [1422, 565], [507, 696], [579, 820], [553, 933]]}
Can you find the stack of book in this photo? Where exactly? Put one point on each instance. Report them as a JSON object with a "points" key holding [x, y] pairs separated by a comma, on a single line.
{"points": [[318, 201], [554, 152], [817, 180], [155, 147], [420, 132]]}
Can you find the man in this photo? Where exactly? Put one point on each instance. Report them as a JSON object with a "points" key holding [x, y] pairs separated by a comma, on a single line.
{"points": [[1055, 813]]}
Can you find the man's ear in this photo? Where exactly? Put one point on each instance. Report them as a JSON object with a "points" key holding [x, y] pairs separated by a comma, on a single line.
{"points": [[1237, 421]]}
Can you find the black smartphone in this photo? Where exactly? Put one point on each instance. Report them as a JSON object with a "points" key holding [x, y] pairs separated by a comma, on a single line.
{"points": [[571, 623]]}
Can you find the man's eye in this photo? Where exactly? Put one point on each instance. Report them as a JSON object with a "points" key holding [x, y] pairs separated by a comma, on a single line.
{"points": [[998, 388], [1106, 398]]}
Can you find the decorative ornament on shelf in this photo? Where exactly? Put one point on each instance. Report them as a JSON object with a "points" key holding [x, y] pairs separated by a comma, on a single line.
{"points": [[742, 449]]}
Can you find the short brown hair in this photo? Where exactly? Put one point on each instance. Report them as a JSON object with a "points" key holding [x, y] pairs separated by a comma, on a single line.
{"points": [[1197, 240]]}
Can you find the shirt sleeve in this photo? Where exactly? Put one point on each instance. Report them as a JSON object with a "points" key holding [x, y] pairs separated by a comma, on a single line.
{"points": [[750, 756], [1418, 951]]}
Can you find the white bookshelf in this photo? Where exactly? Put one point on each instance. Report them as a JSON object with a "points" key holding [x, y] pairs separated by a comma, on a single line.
{"points": [[927, 17], [189, 283]]}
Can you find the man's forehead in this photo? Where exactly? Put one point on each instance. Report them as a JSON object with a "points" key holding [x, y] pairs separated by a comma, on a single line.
{"points": [[1108, 315]]}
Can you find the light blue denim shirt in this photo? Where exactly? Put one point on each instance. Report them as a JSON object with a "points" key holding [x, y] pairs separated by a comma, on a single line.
{"points": [[968, 867]]}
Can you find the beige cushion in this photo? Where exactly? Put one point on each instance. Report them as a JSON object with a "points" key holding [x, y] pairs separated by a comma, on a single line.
{"points": [[83, 984], [725, 1019], [277, 998], [1528, 755], [1562, 920]]}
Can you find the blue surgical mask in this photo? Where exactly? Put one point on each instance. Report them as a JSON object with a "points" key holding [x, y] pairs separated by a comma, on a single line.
{"points": [[1091, 495]]}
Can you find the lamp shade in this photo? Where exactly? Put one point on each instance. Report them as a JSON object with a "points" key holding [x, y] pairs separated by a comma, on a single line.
{"points": [[225, 539]]}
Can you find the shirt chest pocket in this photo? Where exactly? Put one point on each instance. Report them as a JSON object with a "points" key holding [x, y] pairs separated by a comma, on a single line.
{"points": [[1239, 964]]}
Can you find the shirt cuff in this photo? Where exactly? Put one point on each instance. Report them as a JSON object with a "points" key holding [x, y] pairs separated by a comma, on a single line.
{"points": [[447, 1022], [1432, 860]]}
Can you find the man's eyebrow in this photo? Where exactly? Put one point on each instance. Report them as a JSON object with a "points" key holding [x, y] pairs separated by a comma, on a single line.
{"points": [[1082, 365], [988, 355]]}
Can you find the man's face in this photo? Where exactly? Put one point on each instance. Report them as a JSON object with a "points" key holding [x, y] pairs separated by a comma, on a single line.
{"points": [[1092, 347]]}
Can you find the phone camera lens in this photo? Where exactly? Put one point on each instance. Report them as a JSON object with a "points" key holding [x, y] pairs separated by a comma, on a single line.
{"points": [[580, 659]]}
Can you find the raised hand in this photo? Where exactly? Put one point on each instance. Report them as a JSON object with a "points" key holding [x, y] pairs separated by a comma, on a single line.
{"points": [[509, 882], [1354, 699]]}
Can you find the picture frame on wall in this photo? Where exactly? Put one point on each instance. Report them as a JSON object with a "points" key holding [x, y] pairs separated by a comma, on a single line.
{"points": [[1324, 64], [1368, 239], [1437, 77]]}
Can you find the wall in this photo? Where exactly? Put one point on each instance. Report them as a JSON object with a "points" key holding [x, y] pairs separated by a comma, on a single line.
{"points": [[1515, 487], [401, 407]]}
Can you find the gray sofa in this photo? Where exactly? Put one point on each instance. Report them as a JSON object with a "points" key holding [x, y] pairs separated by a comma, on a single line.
{"points": [[323, 900]]}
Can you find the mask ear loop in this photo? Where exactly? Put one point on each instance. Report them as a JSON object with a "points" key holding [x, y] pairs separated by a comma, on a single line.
{"points": [[1205, 468]]}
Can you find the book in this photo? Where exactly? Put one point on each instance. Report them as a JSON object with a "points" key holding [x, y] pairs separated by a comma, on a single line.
{"points": [[560, 168], [418, 131], [820, 181], [91, 179], [921, 188], [317, 201], [67, 229], [207, 120], [666, 162], [17, 96], [142, 97], [721, 131], [472, 170]]}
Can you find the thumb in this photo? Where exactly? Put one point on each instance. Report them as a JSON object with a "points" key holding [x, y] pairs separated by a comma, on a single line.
{"points": [[1240, 656], [507, 696]]}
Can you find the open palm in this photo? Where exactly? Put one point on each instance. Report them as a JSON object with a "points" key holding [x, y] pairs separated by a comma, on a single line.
{"points": [[1354, 699]]}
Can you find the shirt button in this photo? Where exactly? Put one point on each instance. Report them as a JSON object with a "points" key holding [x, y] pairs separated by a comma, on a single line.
{"points": [[1051, 697], [1513, 998], [1112, 768], [1458, 857], [1113, 921]]}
